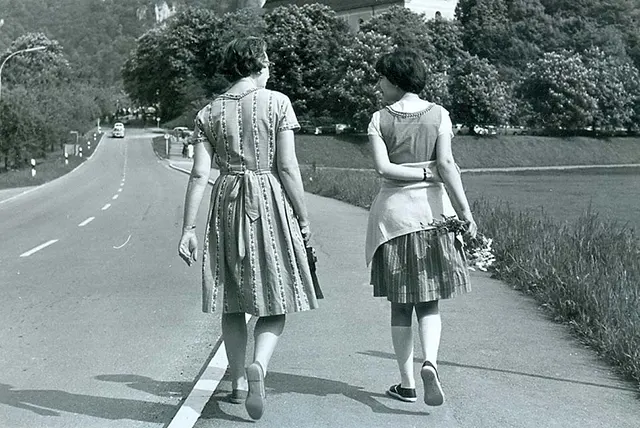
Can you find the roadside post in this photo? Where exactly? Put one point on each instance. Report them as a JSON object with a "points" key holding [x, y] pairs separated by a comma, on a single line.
{"points": [[66, 158], [80, 151], [33, 167], [166, 143], [158, 121], [89, 145]]}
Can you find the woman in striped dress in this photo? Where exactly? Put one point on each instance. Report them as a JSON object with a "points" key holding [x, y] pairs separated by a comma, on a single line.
{"points": [[254, 245], [413, 262]]}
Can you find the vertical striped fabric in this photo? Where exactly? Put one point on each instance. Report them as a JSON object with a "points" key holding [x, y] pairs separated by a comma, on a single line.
{"points": [[420, 267], [253, 247]]}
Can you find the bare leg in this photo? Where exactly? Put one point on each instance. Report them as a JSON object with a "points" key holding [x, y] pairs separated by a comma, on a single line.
{"points": [[430, 328], [266, 335], [234, 332], [402, 337]]}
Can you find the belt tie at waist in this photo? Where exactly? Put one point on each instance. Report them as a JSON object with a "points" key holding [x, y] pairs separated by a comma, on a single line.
{"points": [[247, 187]]}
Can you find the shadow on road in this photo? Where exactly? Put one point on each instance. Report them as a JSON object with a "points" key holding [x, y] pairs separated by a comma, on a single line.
{"points": [[54, 402], [286, 383], [389, 356], [145, 384]]}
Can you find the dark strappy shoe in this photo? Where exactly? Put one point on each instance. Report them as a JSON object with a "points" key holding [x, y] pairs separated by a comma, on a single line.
{"points": [[402, 394]]}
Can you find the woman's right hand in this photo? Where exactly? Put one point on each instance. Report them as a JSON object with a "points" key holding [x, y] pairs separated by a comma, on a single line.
{"points": [[188, 247]]}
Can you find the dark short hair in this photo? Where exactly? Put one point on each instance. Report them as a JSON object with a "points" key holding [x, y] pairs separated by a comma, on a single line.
{"points": [[404, 68], [243, 57]]}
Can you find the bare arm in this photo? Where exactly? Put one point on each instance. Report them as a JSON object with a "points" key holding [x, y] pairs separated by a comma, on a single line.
{"points": [[386, 169], [451, 177], [289, 172], [198, 180]]}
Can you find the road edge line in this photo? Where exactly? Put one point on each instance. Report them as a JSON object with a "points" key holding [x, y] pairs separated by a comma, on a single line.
{"points": [[204, 387]]}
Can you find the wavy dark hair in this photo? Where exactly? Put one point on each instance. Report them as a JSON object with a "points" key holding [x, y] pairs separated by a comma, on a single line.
{"points": [[243, 57], [404, 68]]}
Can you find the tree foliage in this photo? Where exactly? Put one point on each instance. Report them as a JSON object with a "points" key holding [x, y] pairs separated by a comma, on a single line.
{"points": [[355, 96], [481, 96], [41, 101], [305, 45], [560, 90]]}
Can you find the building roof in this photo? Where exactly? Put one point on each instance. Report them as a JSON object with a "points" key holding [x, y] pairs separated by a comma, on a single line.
{"points": [[337, 5]]}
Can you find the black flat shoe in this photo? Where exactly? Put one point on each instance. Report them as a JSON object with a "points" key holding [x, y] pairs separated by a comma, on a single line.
{"points": [[402, 394], [433, 394]]}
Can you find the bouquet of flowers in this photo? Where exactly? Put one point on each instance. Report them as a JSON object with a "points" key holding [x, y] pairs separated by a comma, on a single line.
{"points": [[478, 250]]}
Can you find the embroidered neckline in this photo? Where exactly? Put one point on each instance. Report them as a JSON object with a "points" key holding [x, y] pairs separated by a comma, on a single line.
{"points": [[241, 94], [410, 114]]}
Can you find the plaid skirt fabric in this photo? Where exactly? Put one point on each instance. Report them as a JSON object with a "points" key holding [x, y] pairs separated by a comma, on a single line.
{"points": [[420, 267]]}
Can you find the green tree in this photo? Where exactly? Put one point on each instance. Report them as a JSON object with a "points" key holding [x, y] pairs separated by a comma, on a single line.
{"points": [[616, 89], [355, 96], [305, 46], [479, 95], [559, 89]]}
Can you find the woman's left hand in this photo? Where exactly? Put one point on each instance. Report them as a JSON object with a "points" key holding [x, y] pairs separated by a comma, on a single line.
{"points": [[306, 233], [472, 229]]}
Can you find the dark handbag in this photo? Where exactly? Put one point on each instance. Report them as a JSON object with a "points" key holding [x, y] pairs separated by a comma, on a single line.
{"points": [[312, 259]]}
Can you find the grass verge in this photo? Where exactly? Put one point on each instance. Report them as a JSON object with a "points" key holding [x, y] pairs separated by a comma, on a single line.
{"points": [[50, 167], [352, 151], [586, 273]]}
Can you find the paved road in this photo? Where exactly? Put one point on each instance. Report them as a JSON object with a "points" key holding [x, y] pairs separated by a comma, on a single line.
{"points": [[103, 327]]}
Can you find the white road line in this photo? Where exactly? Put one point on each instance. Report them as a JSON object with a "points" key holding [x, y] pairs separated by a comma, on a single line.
{"points": [[86, 222], [115, 197], [191, 409], [106, 207], [38, 248], [205, 386], [120, 190]]}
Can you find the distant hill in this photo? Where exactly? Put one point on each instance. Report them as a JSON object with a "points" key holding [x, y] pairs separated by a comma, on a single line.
{"points": [[96, 35]]}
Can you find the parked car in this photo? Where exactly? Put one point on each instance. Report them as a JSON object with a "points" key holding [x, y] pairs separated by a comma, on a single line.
{"points": [[118, 130], [306, 127], [180, 131]]}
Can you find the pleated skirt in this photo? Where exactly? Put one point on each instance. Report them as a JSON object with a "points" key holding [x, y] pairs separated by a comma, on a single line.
{"points": [[253, 250], [420, 267]]}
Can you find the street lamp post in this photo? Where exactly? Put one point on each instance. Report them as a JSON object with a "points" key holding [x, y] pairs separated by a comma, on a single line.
{"points": [[37, 48]]}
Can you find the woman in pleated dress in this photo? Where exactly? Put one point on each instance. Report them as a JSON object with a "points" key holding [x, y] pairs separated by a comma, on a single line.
{"points": [[254, 242], [414, 263]]}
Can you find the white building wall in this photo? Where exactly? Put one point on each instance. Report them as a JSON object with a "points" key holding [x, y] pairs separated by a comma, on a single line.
{"points": [[430, 7]]}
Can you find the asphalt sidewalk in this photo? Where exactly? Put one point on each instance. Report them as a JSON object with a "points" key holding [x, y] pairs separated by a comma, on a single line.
{"points": [[503, 362]]}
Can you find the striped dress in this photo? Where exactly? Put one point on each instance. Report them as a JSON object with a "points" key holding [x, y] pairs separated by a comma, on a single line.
{"points": [[253, 248], [411, 260]]}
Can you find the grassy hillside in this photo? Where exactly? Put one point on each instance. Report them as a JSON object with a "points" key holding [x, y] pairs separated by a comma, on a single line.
{"points": [[481, 152]]}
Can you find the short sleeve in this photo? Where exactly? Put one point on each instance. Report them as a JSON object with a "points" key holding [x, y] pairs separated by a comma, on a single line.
{"points": [[374, 125], [287, 119], [199, 135], [446, 127]]}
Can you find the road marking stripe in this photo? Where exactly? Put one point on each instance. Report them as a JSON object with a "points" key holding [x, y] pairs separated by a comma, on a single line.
{"points": [[191, 409], [38, 248], [86, 222], [106, 207], [120, 190], [115, 197]]}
